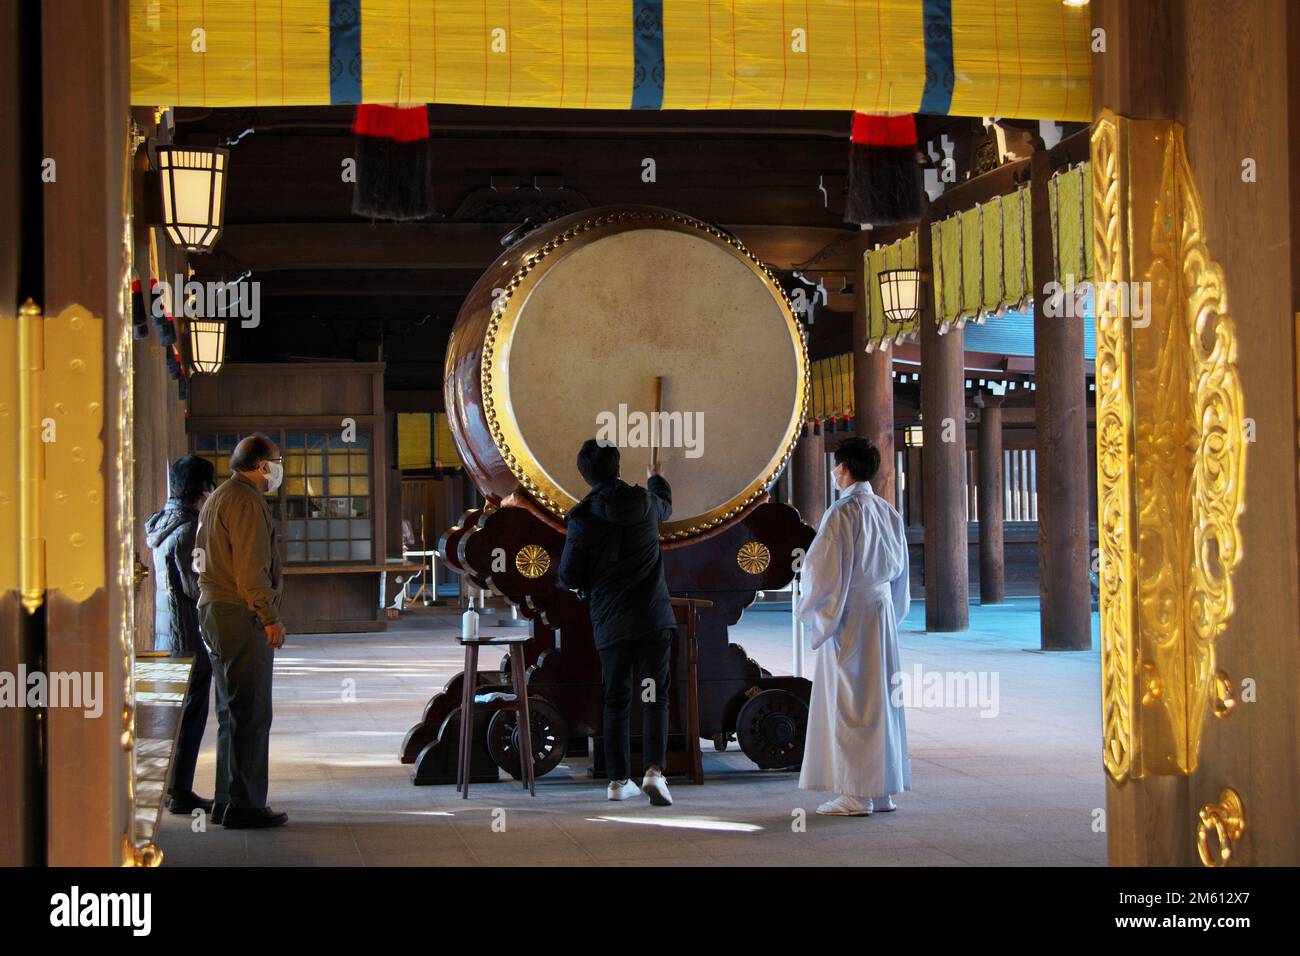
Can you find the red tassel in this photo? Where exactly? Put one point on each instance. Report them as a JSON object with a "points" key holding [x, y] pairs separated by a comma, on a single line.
{"points": [[884, 177], [394, 167], [400, 124], [873, 129]]}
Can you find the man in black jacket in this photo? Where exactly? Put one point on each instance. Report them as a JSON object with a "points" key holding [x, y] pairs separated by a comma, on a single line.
{"points": [[170, 535], [611, 556]]}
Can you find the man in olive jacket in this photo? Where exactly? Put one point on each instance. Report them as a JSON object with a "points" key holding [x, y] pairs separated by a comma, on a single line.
{"points": [[611, 557], [239, 609]]}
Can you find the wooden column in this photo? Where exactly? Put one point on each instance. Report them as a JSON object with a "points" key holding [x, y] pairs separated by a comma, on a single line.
{"points": [[992, 567], [873, 388], [85, 78], [808, 475], [943, 416], [22, 638], [1061, 415], [875, 420], [1160, 63], [915, 489]]}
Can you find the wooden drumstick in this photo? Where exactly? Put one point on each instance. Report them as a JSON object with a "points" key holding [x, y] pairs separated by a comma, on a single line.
{"points": [[654, 422]]}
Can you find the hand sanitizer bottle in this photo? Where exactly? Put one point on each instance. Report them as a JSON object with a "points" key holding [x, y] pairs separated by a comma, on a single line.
{"points": [[469, 623]]}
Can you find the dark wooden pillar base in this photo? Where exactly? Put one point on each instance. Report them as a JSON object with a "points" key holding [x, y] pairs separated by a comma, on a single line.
{"points": [[992, 565], [873, 389], [808, 471], [873, 412], [943, 416], [1062, 423]]}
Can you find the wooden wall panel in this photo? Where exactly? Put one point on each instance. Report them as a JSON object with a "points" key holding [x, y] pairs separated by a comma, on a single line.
{"points": [[302, 389], [1169, 60], [1231, 116], [328, 603]]}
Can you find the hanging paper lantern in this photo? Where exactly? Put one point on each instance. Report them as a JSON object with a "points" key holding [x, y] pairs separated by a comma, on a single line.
{"points": [[207, 345], [193, 194]]}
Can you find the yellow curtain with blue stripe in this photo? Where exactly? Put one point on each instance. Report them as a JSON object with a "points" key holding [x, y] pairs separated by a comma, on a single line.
{"points": [[1013, 58]]}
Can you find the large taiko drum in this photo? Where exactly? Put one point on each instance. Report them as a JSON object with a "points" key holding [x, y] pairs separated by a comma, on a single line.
{"points": [[564, 336]]}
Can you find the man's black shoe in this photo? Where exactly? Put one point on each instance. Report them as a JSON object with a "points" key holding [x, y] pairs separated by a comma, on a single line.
{"points": [[244, 818], [186, 803], [219, 813]]}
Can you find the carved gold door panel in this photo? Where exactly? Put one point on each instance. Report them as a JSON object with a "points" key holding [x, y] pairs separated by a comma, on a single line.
{"points": [[1201, 766], [1171, 451]]}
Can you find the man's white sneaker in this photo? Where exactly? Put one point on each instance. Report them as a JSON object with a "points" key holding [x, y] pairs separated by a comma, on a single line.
{"points": [[845, 806], [656, 788], [882, 805], [623, 790]]}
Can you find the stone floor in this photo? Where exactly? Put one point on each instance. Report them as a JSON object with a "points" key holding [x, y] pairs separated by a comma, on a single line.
{"points": [[1022, 784]]}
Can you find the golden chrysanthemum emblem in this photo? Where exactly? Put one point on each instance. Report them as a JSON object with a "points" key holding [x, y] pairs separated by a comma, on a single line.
{"points": [[532, 561], [753, 557]]}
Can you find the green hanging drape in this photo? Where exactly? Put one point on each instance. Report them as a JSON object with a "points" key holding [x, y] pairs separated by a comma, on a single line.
{"points": [[983, 257]]}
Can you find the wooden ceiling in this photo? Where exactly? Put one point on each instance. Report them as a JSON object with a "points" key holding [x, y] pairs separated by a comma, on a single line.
{"points": [[337, 286]]}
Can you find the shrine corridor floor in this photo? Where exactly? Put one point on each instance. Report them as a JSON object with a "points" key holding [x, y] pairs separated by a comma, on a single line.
{"points": [[1016, 779]]}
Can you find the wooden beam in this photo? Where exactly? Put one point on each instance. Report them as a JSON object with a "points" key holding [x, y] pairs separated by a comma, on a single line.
{"points": [[498, 120], [282, 177], [85, 112], [1072, 150], [269, 246], [997, 182], [387, 283]]}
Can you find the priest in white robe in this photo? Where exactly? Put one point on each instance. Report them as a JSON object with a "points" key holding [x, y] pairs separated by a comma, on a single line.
{"points": [[854, 593]]}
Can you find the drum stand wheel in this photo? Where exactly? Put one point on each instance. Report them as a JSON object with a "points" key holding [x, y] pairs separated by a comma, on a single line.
{"points": [[550, 738], [771, 727]]}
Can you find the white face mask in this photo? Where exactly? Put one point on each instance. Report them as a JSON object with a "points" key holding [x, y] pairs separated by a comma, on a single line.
{"points": [[274, 475]]}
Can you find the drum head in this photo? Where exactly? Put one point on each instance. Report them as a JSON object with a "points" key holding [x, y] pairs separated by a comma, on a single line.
{"points": [[604, 310]]}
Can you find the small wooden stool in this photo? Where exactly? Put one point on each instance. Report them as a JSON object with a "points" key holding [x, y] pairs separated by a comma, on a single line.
{"points": [[518, 685], [690, 611]]}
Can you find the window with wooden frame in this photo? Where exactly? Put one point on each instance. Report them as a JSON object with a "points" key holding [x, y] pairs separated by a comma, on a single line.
{"points": [[324, 509]]}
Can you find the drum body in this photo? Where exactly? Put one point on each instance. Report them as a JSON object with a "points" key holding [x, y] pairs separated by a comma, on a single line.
{"points": [[562, 340]]}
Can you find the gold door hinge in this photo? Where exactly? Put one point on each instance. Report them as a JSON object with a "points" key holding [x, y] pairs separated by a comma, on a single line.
{"points": [[60, 500], [10, 493], [31, 456]]}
